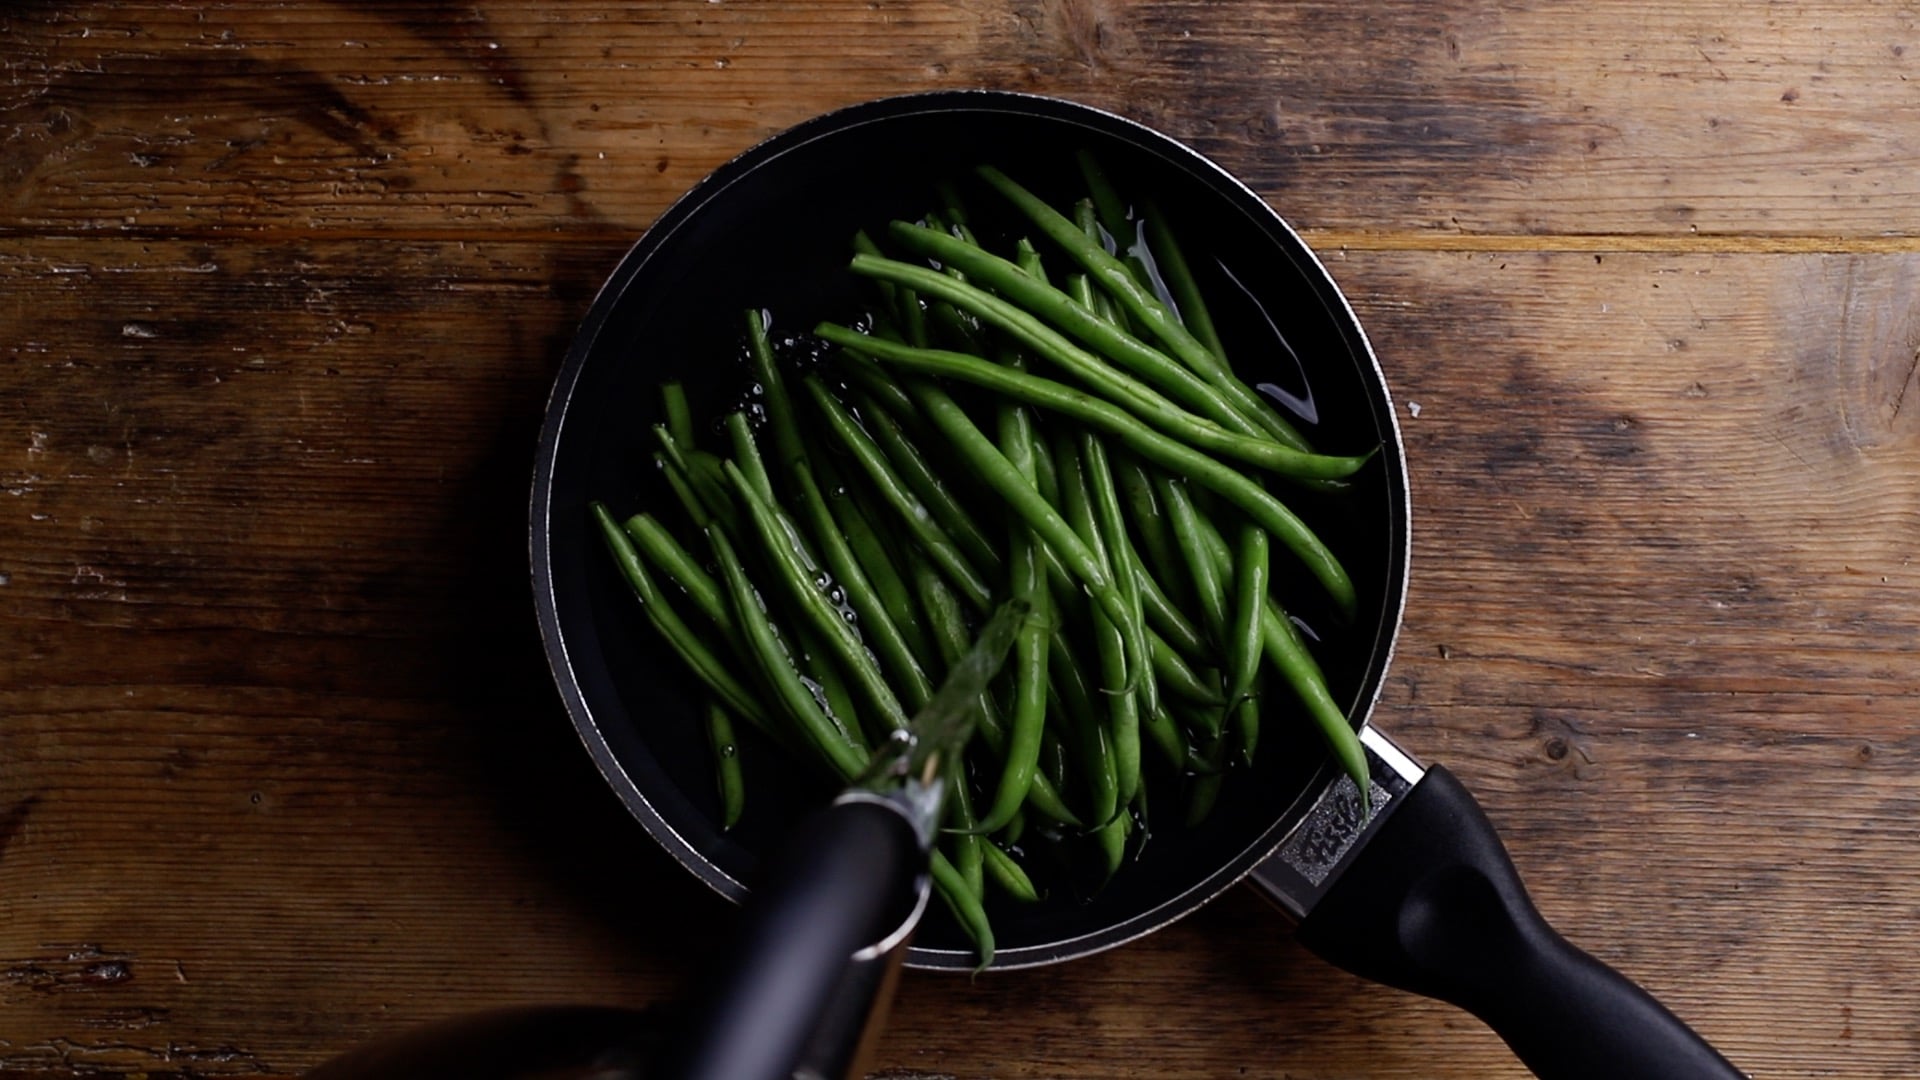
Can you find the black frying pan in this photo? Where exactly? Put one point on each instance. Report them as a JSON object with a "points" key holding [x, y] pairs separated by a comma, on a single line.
{"points": [[1422, 897]]}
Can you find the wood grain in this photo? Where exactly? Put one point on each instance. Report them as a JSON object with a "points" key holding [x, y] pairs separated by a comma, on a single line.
{"points": [[282, 287], [1406, 117]]}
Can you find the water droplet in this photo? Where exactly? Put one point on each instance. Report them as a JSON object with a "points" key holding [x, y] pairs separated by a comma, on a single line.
{"points": [[819, 694]]}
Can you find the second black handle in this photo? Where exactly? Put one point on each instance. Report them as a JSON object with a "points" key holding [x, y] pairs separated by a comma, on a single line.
{"points": [[1433, 905]]}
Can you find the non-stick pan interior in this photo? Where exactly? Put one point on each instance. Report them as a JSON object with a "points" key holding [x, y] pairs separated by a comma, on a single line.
{"points": [[771, 230]]}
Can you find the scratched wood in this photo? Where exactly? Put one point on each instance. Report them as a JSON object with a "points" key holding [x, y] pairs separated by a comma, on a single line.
{"points": [[282, 287], [1411, 116]]}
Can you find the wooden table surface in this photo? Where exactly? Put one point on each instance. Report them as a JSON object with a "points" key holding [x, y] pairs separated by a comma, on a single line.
{"points": [[283, 286]]}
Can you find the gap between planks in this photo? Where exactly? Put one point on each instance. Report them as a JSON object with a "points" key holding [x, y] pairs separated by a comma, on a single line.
{"points": [[1318, 239]]}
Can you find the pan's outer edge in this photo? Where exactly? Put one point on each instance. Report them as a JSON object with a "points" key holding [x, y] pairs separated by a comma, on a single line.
{"points": [[555, 641]]}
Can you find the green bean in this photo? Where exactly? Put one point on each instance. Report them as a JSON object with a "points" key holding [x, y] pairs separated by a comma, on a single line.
{"points": [[1016, 433], [951, 204], [1080, 291], [911, 465], [943, 316], [1015, 828], [659, 545], [1166, 619], [881, 386], [1027, 258], [746, 454], [1125, 563], [1140, 813], [939, 546], [699, 472], [652, 539], [1159, 726], [1143, 512], [1243, 637], [1188, 302], [1213, 545], [1177, 677], [1148, 520], [679, 637], [1118, 281], [728, 782], [1046, 481], [682, 489], [998, 473], [1086, 219], [846, 759], [821, 676], [950, 629], [1073, 700], [1006, 873], [673, 402], [1206, 783], [889, 584], [1246, 726], [958, 331], [1207, 720], [1118, 230], [801, 578], [1053, 751], [913, 315], [1029, 582], [965, 907], [949, 625], [1288, 654], [1256, 501], [890, 641], [1136, 397], [886, 322], [969, 856], [1117, 679], [1169, 666], [1044, 796], [1207, 575], [1112, 838], [942, 608], [1030, 688], [1112, 212]]}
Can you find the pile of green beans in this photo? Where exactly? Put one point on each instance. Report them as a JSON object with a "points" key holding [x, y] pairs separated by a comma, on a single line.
{"points": [[984, 434]]}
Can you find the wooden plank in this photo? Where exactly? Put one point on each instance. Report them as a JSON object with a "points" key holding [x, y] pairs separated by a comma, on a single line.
{"points": [[282, 770], [1406, 119]]}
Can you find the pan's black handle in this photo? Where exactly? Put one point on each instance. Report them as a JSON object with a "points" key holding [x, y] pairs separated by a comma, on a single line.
{"points": [[842, 883], [1432, 905]]}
